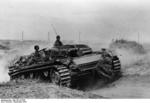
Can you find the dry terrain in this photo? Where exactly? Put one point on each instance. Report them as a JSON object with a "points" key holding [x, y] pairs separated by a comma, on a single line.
{"points": [[135, 82]]}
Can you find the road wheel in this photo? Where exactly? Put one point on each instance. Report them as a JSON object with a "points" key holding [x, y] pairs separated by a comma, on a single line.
{"points": [[104, 70], [31, 75], [55, 77]]}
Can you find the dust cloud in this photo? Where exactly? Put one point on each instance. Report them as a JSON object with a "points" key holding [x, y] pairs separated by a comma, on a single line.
{"points": [[134, 58], [135, 82], [4, 77], [17, 50]]}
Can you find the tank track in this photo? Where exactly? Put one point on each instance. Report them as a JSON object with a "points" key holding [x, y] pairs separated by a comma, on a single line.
{"points": [[28, 75], [30, 72], [65, 76], [63, 72], [116, 63], [110, 71], [116, 66]]}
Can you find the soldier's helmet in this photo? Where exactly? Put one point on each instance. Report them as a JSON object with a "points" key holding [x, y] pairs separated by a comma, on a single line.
{"points": [[57, 37], [103, 49], [36, 47]]}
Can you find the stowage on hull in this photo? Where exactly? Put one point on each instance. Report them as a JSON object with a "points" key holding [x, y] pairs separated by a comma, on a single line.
{"points": [[64, 65]]}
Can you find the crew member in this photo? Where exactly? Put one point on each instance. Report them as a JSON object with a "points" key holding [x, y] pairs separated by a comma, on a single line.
{"points": [[104, 53], [58, 43], [36, 48]]}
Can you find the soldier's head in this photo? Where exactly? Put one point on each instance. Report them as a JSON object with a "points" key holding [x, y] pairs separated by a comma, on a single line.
{"points": [[58, 37], [103, 49], [36, 48]]}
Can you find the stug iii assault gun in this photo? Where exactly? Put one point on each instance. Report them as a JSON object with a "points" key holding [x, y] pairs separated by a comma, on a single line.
{"points": [[66, 64]]}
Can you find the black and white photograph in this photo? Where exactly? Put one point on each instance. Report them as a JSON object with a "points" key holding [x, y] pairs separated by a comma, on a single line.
{"points": [[74, 49]]}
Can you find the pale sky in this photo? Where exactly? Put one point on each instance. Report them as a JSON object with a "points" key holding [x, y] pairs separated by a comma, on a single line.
{"points": [[96, 20]]}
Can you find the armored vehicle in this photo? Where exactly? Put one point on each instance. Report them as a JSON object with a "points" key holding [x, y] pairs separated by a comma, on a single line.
{"points": [[65, 64]]}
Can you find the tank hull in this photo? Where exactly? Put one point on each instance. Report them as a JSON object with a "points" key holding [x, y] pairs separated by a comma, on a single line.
{"points": [[62, 68]]}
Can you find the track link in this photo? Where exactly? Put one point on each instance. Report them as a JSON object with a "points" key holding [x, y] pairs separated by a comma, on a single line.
{"points": [[116, 67], [65, 76], [116, 64]]}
